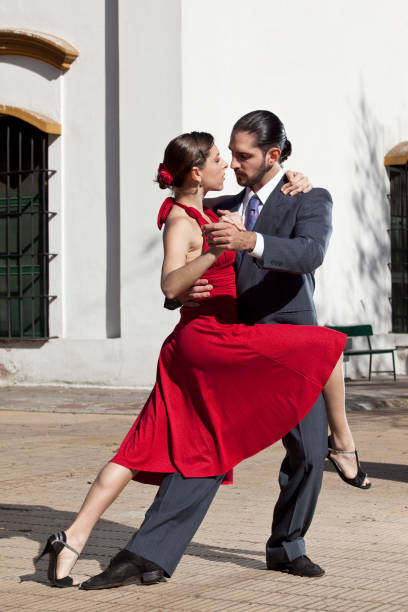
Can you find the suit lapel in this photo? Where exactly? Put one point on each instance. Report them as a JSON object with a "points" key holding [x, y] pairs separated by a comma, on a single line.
{"points": [[268, 219], [233, 203]]}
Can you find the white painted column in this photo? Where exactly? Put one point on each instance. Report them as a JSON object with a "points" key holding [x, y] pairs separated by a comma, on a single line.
{"points": [[150, 115]]}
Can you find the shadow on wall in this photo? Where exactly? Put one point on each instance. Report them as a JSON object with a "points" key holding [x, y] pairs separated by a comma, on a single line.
{"points": [[33, 65], [370, 235], [367, 286], [371, 210], [370, 203], [112, 184]]}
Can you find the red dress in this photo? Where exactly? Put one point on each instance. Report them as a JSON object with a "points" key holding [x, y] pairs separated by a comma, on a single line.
{"points": [[225, 390]]}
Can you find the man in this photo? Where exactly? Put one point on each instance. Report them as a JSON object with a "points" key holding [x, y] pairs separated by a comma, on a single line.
{"points": [[276, 261], [275, 265]]}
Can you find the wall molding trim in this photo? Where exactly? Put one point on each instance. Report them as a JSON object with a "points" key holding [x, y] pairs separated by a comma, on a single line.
{"points": [[38, 120], [398, 155], [39, 45]]}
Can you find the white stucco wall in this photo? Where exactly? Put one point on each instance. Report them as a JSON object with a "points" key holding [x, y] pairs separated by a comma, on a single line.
{"points": [[150, 112], [90, 348], [335, 74], [76, 99]]}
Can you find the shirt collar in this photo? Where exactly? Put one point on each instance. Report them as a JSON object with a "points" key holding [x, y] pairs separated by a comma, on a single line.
{"points": [[265, 191]]}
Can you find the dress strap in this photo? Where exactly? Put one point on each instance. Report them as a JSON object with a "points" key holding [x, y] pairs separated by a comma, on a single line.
{"points": [[165, 208], [190, 210]]}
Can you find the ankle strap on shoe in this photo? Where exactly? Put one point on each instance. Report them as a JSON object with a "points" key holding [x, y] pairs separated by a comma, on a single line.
{"points": [[341, 452], [61, 539]]}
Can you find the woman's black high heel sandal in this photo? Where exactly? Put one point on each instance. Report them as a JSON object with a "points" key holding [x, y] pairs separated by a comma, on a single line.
{"points": [[358, 480], [53, 547]]}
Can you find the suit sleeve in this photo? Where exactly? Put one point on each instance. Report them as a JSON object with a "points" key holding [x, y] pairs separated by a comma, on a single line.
{"points": [[304, 251], [171, 304]]}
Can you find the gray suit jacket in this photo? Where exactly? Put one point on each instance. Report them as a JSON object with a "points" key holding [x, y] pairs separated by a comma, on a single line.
{"points": [[296, 231]]}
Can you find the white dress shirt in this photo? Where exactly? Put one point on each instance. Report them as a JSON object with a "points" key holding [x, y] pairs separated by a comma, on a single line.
{"points": [[263, 194]]}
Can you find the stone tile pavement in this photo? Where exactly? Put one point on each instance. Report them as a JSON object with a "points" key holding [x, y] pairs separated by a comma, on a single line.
{"points": [[54, 440]]}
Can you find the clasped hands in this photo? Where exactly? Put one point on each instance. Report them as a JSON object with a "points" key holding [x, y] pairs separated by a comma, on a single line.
{"points": [[230, 234]]}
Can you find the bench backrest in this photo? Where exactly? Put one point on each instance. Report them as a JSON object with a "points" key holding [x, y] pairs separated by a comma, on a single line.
{"points": [[353, 330]]}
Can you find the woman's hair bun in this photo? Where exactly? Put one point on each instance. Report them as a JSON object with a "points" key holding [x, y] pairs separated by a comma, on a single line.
{"points": [[160, 182], [164, 177]]}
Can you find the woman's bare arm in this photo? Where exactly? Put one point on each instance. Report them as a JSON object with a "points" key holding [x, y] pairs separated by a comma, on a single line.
{"points": [[177, 275]]}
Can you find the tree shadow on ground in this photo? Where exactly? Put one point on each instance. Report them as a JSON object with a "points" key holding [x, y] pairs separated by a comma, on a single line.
{"points": [[36, 523], [385, 471]]}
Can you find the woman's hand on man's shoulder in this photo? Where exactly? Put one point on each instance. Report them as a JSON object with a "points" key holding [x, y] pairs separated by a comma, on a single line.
{"points": [[296, 183]]}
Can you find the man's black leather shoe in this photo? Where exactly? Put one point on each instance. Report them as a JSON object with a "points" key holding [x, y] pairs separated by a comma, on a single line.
{"points": [[301, 566], [125, 568]]}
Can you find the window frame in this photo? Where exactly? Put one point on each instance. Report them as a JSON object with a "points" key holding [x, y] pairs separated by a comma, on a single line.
{"points": [[25, 309], [398, 175]]}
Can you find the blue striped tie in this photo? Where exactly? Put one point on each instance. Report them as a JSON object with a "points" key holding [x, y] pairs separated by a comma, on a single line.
{"points": [[252, 213]]}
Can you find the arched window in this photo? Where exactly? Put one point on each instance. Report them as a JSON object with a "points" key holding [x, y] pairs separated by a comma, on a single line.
{"points": [[24, 217], [396, 162]]}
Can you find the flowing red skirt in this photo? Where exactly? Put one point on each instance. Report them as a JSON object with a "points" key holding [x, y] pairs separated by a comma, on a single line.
{"points": [[225, 391]]}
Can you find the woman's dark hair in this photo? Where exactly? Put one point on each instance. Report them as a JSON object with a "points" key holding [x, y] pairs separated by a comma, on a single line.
{"points": [[182, 153], [268, 129]]}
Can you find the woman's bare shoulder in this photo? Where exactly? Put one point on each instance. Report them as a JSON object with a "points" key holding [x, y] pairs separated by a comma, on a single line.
{"points": [[180, 229], [179, 221]]}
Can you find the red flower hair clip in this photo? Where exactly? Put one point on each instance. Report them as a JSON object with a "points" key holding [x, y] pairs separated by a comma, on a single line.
{"points": [[165, 175]]}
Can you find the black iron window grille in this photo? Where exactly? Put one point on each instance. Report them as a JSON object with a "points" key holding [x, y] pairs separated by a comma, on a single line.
{"points": [[399, 246], [24, 217]]}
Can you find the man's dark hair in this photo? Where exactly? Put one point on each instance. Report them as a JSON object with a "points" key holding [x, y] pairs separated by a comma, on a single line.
{"points": [[268, 130]]}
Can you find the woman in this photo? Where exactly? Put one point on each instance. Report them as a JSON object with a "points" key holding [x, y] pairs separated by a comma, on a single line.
{"points": [[199, 419]]}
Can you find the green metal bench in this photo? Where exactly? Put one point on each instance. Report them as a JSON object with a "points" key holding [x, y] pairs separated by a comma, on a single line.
{"points": [[366, 331]]}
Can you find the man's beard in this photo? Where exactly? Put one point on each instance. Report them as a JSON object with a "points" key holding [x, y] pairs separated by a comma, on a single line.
{"points": [[257, 178]]}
